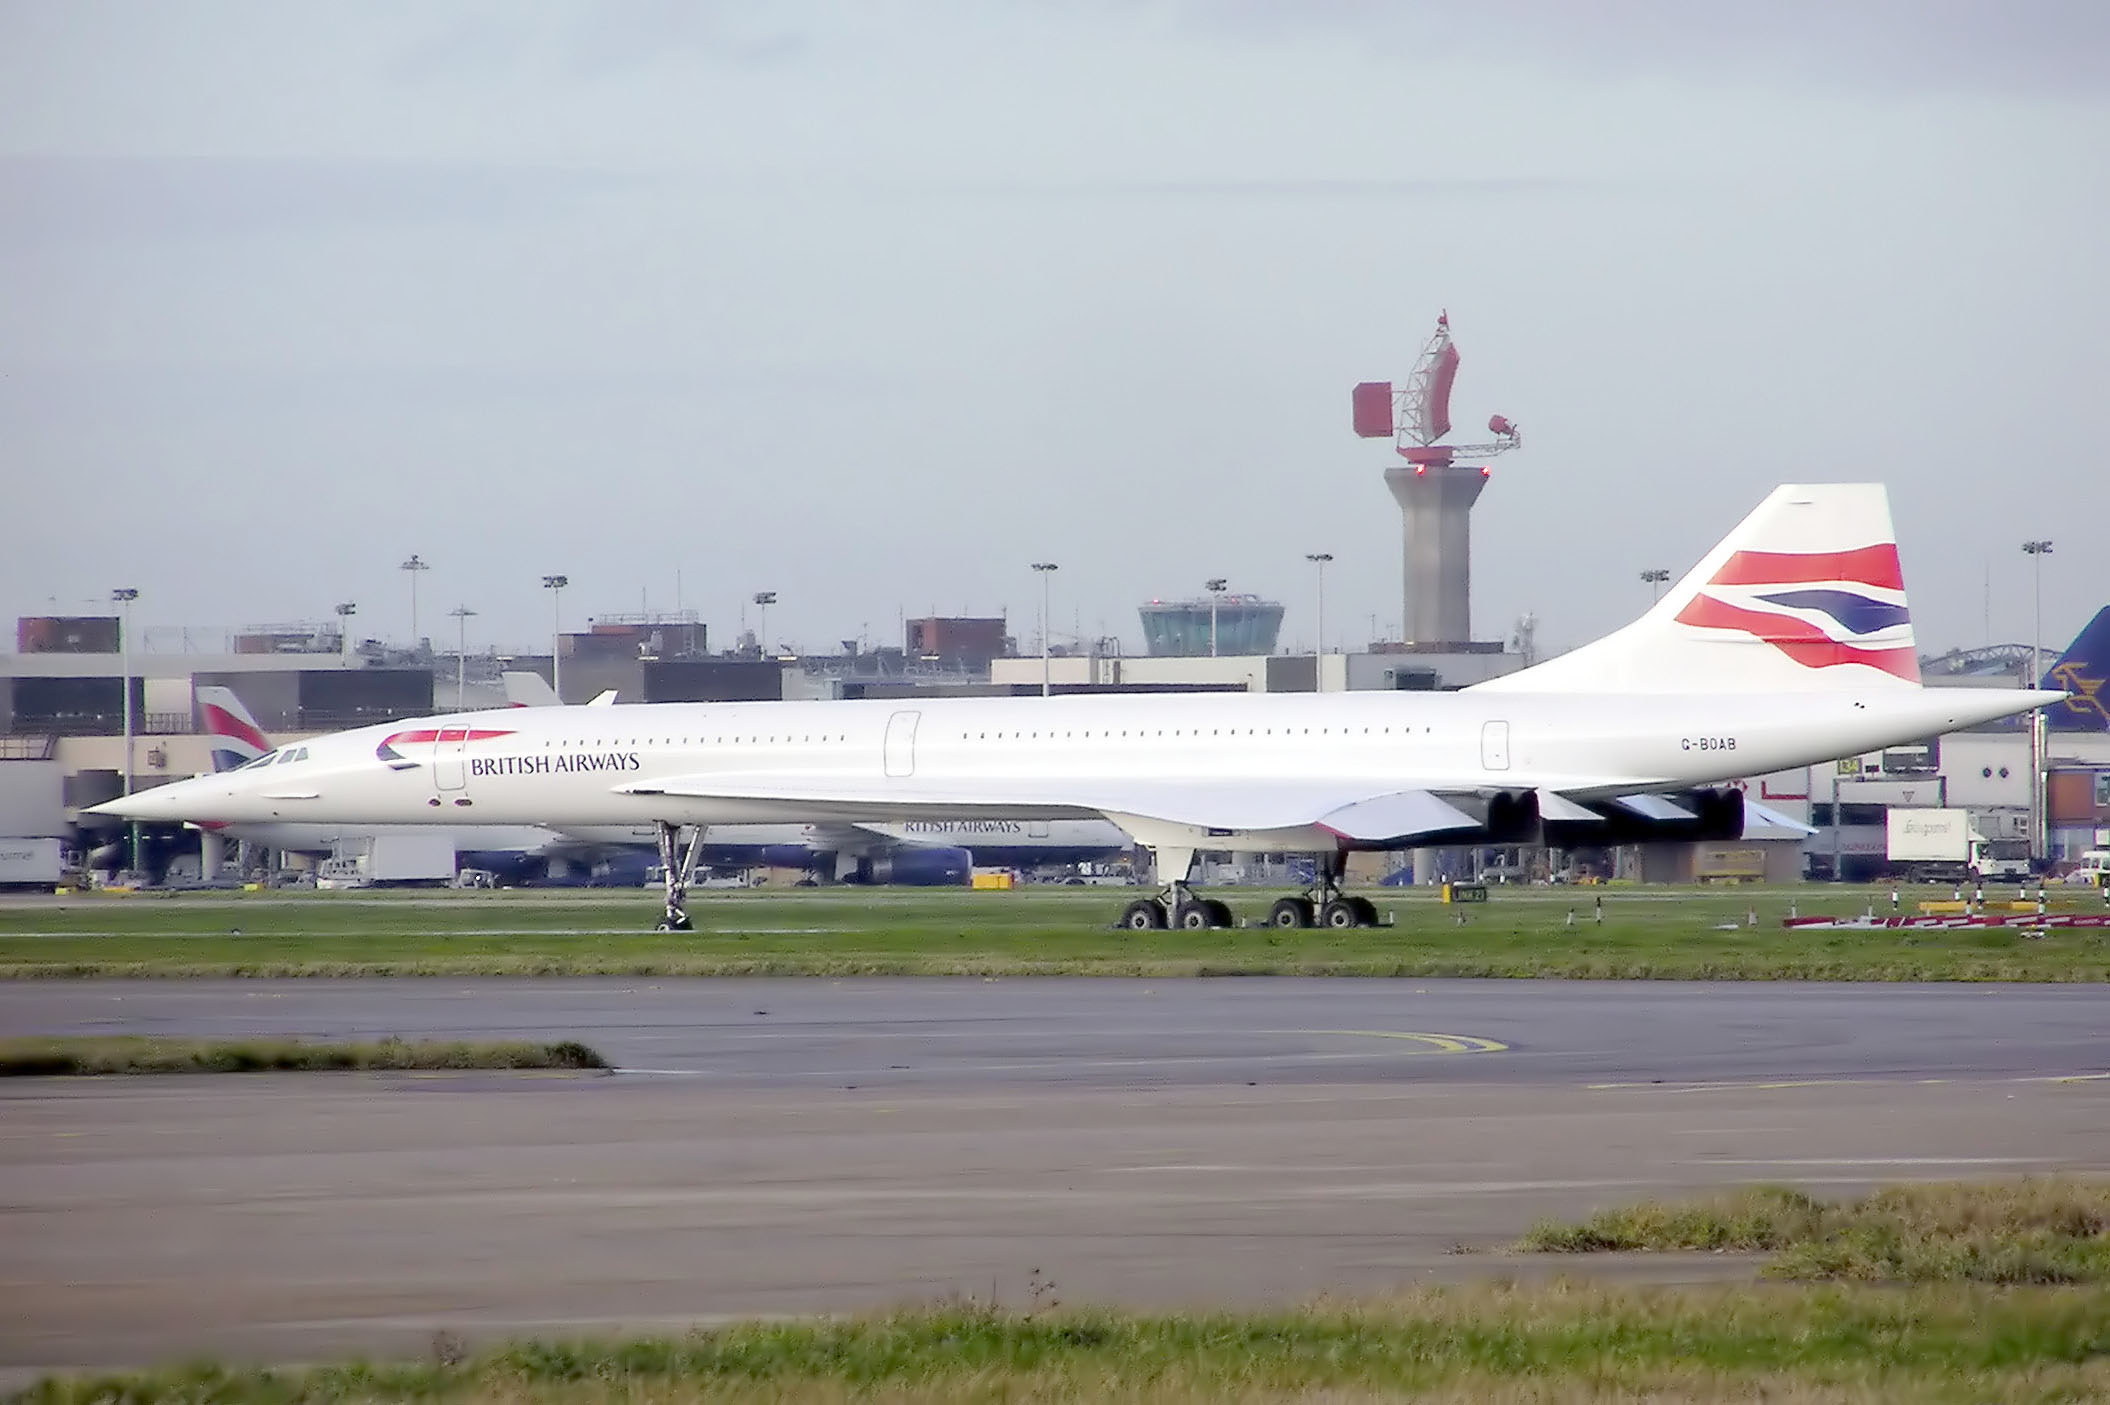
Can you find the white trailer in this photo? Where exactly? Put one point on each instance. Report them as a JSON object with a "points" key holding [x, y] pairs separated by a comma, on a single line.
{"points": [[412, 856], [30, 861]]}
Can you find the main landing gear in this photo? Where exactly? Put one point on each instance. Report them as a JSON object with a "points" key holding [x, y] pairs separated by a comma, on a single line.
{"points": [[1321, 905], [1324, 904], [1177, 908], [677, 867]]}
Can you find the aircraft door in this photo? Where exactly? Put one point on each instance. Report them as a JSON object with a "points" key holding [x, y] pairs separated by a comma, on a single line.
{"points": [[901, 743], [1494, 746], [1037, 829], [450, 761]]}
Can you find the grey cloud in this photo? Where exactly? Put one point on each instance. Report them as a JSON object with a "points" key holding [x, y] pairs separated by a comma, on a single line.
{"points": [[1270, 189], [67, 199], [601, 41], [2024, 46]]}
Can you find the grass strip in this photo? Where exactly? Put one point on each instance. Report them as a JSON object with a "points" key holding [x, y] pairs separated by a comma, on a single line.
{"points": [[1645, 934], [2035, 1231], [40, 1058], [1549, 1343]]}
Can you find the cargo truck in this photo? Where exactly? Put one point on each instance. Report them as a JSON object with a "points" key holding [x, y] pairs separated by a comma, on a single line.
{"points": [[1943, 846]]}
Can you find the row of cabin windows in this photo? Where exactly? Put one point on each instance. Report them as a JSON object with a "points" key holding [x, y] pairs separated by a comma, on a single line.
{"points": [[986, 736], [1194, 732], [698, 741]]}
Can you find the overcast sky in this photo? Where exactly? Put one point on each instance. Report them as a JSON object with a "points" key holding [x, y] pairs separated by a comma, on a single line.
{"points": [[875, 303]]}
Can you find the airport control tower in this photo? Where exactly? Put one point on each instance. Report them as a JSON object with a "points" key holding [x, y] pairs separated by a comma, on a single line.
{"points": [[1436, 488]]}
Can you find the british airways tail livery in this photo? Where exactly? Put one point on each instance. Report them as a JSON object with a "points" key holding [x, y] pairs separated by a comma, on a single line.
{"points": [[1805, 596], [236, 739], [2081, 672], [1788, 644]]}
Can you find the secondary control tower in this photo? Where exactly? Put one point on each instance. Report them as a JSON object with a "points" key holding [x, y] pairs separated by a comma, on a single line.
{"points": [[1435, 487]]}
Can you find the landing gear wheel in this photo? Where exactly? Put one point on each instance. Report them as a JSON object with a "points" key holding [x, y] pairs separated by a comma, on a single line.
{"points": [[1290, 912], [1339, 915], [1365, 911], [1143, 915], [673, 924], [1219, 913], [1194, 916]]}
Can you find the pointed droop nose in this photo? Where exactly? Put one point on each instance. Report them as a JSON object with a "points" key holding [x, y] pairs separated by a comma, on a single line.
{"points": [[182, 800]]}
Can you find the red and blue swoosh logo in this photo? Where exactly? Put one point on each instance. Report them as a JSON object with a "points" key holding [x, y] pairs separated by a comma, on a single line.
{"points": [[429, 736], [1821, 609], [235, 740]]}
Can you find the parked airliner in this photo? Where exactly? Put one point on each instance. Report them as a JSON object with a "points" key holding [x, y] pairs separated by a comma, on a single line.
{"points": [[1789, 643]]}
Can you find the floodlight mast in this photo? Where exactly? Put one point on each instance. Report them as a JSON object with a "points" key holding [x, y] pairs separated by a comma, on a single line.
{"points": [[763, 600], [1046, 569], [124, 596], [555, 584]]}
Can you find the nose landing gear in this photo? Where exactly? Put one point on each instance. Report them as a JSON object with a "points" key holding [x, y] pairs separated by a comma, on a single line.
{"points": [[677, 867]]}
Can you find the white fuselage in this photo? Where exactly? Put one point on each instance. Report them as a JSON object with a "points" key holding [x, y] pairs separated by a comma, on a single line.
{"points": [[583, 766]]}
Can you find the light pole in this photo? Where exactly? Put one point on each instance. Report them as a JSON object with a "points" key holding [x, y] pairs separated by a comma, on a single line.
{"points": [[1046, 570], [124, 596], [1215, 586], [461, 615], [2039, 839], [555, 586], [1654, 578], [763, 600], [345, 612], [416, 565], [1319, 559]]}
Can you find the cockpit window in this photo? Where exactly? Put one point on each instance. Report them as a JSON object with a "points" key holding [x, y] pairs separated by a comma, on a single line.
{"points": [[293, 754], [267, 759]]}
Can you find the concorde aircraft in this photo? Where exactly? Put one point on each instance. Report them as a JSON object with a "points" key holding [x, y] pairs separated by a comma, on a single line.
{"points": [[1790, 643]]}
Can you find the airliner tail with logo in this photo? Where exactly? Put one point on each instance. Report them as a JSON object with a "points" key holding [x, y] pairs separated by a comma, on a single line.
{"points": [[1790, 643], [2081, 673]]}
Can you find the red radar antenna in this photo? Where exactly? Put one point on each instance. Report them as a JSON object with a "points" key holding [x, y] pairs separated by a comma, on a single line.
{"points": [[1418, 415]]}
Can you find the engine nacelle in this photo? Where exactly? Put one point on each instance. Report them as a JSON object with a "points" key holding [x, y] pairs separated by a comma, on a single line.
{"points": [[1512, 818], [915, 866], [1711, 815]]}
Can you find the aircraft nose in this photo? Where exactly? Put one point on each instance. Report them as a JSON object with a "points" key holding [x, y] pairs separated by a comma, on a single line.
{"points": [[181, 800]]}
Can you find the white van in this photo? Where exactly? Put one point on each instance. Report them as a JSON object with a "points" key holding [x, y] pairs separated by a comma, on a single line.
{"points": [[2093, 869]]}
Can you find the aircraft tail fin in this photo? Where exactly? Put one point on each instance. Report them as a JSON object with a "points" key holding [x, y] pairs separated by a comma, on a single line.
{"points": [[1805, 595], [236, 739], [2080, 673], [525, 689], [528, 690]]}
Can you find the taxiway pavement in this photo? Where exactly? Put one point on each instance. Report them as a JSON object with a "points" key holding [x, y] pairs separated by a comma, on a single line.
{"points": [[1158, 1033], [806, 1146]]}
